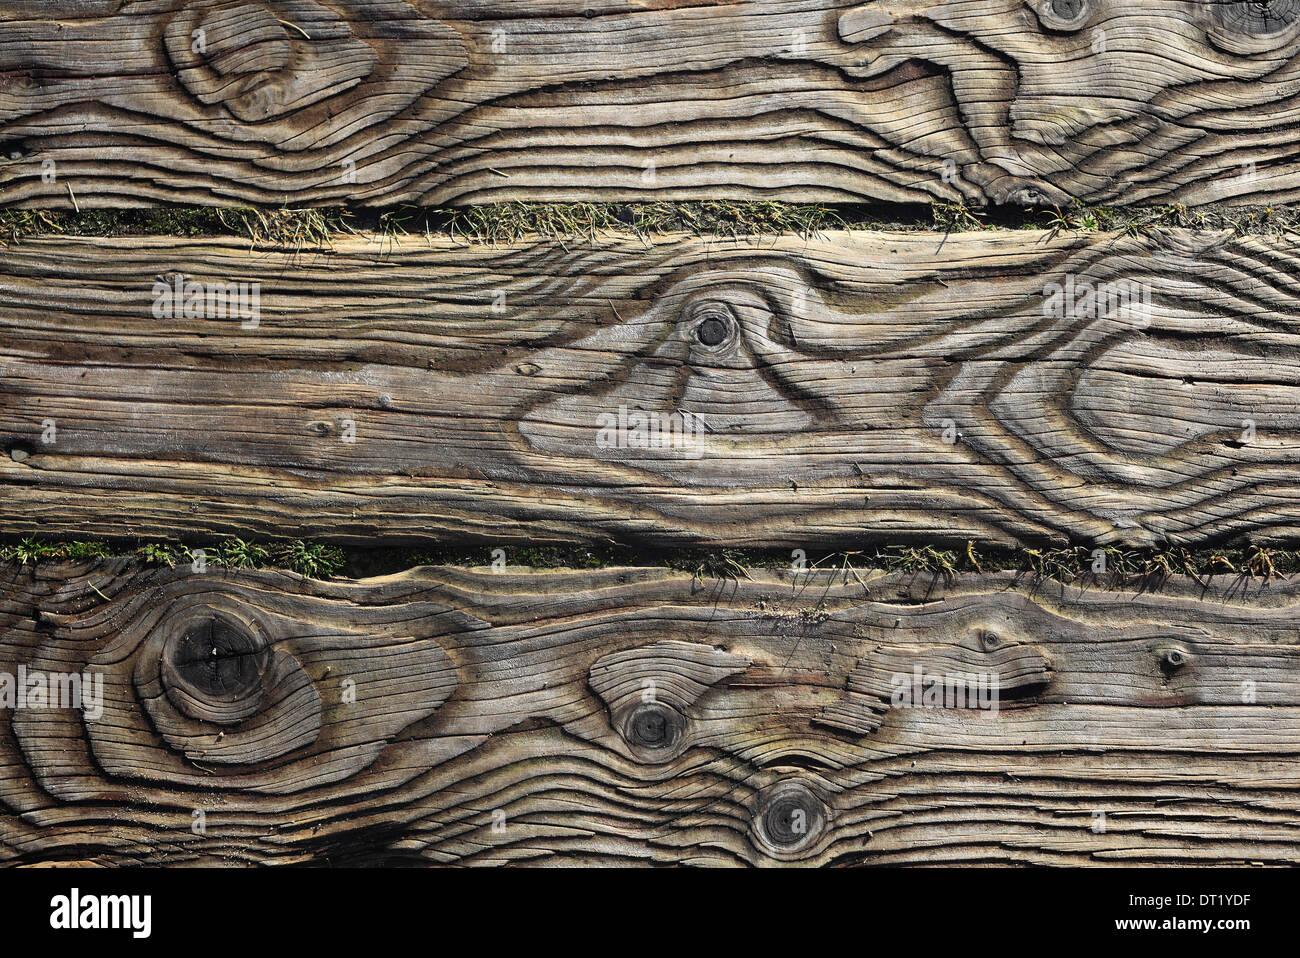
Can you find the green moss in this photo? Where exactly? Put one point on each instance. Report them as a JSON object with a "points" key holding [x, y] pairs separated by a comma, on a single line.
{"points": [[30, 551], [537, 557], [314, 560], [86, 550], [314, 228], [509, 222], [16, 224]]}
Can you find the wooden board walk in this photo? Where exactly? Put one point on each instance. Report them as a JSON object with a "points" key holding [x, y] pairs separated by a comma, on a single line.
{"points": [[1004, 387], [638, 716], [377, 102]]}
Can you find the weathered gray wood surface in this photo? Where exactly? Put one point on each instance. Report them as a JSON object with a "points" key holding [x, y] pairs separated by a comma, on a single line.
{"points": [[639, 716], [472, 101], [848, 388]]}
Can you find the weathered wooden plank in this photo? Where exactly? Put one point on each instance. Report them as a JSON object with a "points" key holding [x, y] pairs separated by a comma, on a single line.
{"points": [[810, 392], [636, 716], [470, 101]]}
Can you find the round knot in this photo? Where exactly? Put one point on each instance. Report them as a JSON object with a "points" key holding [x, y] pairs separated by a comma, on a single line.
{"points": [[1065, 15], [1251, 28], [654, 727], [713, 323], [1173, 658], [220, 690], [789, 818], [213, 669], [1257, 19]]}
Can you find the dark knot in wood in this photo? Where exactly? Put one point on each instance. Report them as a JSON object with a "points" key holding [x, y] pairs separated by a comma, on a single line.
{"points": [[713, 323], [1249, 28], [789, 818], [213, 669], [1257, 19], [1065, 15], [230, 694], [654, 727], [712, 332]]}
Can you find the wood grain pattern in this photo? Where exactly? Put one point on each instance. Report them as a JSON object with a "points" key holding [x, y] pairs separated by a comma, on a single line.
{"points": [[373, 102], [633, 716], [1004, 387]]}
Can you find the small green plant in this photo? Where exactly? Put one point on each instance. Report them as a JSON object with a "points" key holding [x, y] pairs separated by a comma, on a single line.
{"points": [[1058, 220], [238, 554], [390, 227], [846, 567], [725, 218], [1260, 561], [1218, 562], [27, 552], [511, 222], [86, 550], [158, 554], [31, 551], [15, 224], [310, 559], [1119, 564], [1167, 562], [1060, 564]]}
